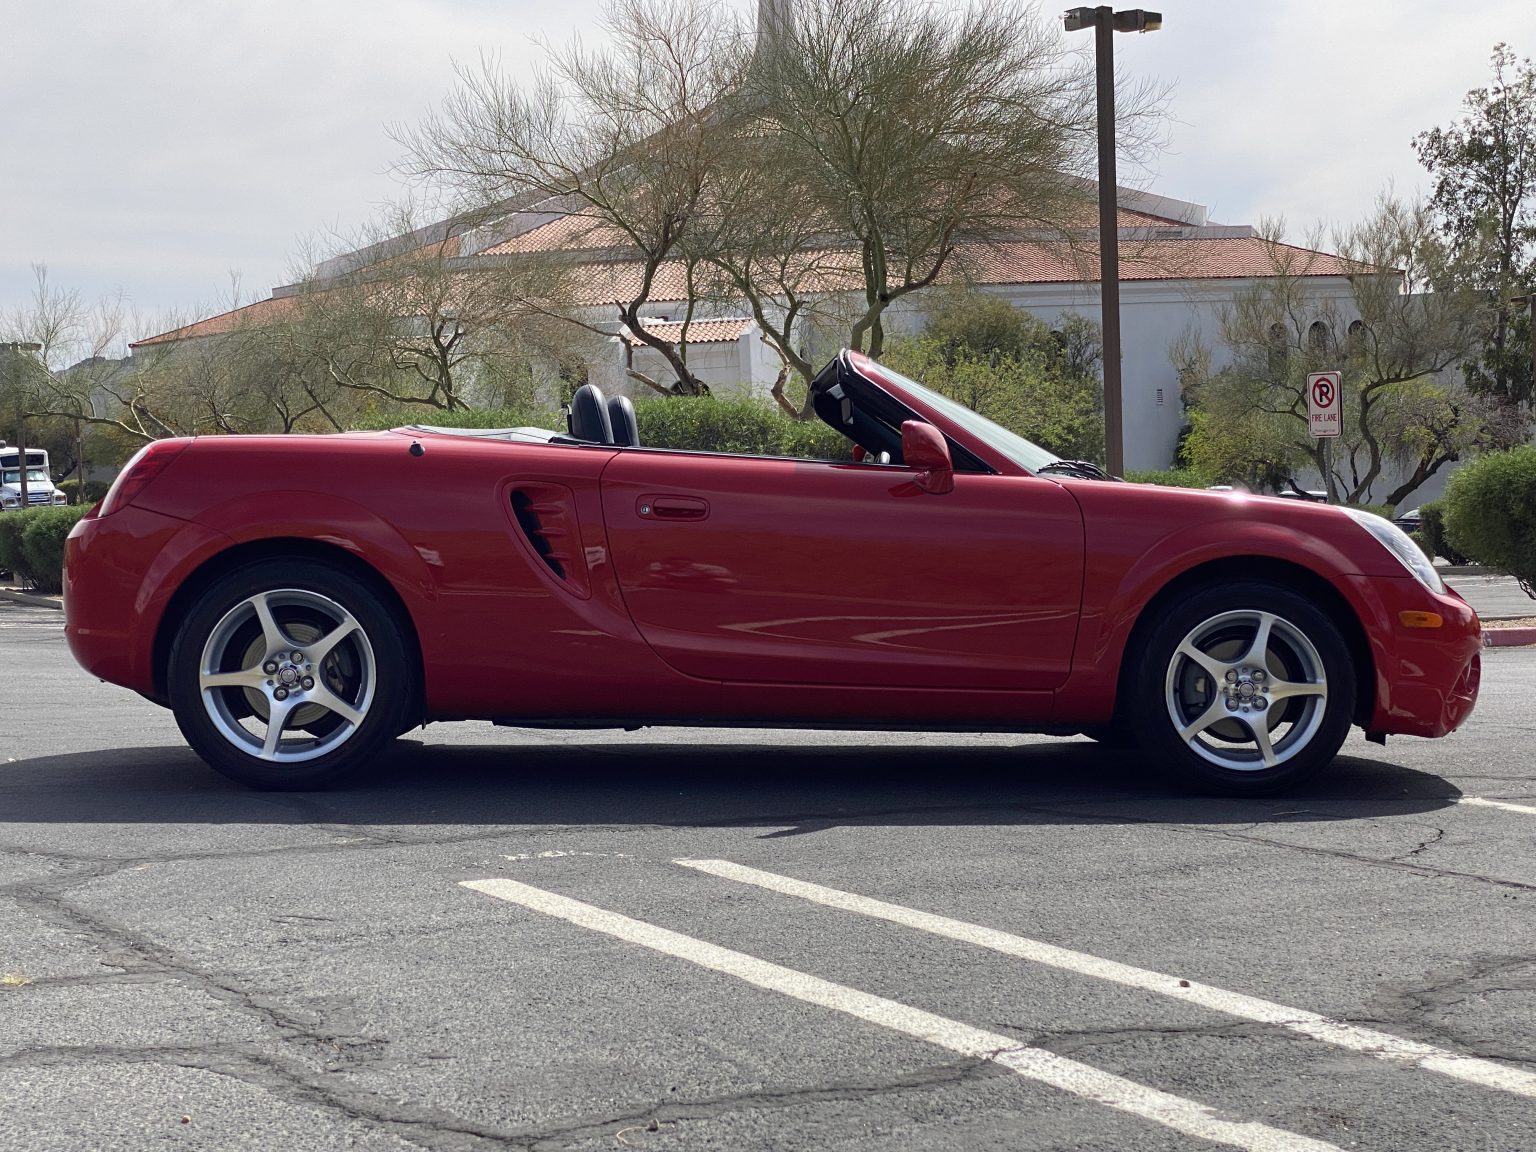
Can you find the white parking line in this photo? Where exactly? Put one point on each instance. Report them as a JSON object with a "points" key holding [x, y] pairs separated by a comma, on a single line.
{"points": [[1187, 1116], [1382, 1045], [1505, 805]]}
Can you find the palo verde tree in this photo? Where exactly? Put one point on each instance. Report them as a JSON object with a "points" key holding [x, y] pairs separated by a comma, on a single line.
{"points": [[242, 378], [914, 133], [628, 139], [854, 153], [1484, 200], [81, 373], [1398, 336], [403, 323]]}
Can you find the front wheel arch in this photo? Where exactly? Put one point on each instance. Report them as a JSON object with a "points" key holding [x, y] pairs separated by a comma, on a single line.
{"points": [[1300, 579], [214, 569]]}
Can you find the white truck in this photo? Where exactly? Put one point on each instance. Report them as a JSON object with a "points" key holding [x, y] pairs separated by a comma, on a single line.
{"points": [[40, 490]]}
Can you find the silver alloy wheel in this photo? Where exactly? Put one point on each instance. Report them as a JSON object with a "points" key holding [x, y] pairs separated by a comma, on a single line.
{"points": [[281, 661], [1246, 690]]}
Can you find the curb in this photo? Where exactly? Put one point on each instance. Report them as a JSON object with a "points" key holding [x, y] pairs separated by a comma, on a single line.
{"points": [[16, 596], [1508, 637]]}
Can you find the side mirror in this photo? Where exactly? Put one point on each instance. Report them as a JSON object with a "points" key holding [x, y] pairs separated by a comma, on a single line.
{"points": [[924, 450]]}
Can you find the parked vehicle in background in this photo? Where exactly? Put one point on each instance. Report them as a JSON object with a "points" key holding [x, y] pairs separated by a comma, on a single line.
{"points": [[40, 490], [1315, 495]]}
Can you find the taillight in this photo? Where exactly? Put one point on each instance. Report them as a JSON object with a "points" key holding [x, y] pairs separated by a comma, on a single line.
{"points": [[149, 462]]}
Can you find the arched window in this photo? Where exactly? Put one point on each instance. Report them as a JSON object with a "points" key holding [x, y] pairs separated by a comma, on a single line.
{"points": [[1318, 336], [1357, 335]]}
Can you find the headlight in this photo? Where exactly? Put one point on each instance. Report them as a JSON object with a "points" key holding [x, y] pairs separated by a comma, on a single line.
{"points": [[1401, 545]]}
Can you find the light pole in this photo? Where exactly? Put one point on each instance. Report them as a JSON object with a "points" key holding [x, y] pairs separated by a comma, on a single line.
{"points": [[16, 348], [1105, 23]]}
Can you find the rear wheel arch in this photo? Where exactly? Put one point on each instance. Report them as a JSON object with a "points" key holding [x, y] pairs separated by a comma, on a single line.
{"points": [[215, 568], [1284, 572]]}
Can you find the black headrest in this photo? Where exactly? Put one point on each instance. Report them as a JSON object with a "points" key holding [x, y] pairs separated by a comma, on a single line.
{"points": [[588, 416], [621, 416]]}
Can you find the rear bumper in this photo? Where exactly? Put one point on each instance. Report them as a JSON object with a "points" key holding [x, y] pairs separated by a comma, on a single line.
{"points": [[119, 575], [1426, 678]]}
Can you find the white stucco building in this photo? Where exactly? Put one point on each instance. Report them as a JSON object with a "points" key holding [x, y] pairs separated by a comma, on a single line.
{"points": [[1178, 272]]}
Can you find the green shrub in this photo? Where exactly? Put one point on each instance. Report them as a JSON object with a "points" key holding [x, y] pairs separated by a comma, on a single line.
{"points": [[94, 490], [462, 418], [1172, 478], [1385, 511], [744, 425], [11, 524], [1490, 512], [1040, 396], [42, 546], [1432, 530]]}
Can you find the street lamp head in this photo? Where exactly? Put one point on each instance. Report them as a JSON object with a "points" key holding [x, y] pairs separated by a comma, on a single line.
{"points": [[1136, 20], [1131, 20], [1076, 19]]}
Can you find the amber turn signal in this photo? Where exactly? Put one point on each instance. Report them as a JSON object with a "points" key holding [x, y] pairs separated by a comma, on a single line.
{"points": [[1420, 619]]}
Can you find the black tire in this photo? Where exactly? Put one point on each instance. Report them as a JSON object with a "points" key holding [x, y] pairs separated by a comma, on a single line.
{"points": [[1302, 695], [1115, 735], [339, 703]]}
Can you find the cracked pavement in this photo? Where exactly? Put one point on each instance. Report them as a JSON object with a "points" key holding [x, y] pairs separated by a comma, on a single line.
{"points": [[185, 964]]}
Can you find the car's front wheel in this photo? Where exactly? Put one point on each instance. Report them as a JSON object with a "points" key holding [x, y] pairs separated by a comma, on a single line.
{"points": [[289, 674], [1244, 688]]}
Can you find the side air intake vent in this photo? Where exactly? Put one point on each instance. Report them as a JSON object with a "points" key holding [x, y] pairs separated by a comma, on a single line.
{"points": [[546, 513]]}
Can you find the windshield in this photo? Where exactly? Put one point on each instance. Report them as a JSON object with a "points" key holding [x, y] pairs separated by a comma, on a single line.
{"points": [[1022, 452], [34, 476]]}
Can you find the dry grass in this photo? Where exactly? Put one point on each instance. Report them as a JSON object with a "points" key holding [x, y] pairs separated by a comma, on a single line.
{"points": [[1511, 622]]}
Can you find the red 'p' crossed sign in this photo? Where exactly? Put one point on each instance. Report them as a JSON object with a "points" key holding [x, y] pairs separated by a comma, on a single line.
{"points": [[1323, 404]]}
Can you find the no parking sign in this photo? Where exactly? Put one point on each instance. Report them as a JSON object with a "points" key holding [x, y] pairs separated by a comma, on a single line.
{"points": [[1324, 404]]}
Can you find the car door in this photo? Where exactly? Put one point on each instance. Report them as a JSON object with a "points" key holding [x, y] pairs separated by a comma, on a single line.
{"points": [[803, 572]]}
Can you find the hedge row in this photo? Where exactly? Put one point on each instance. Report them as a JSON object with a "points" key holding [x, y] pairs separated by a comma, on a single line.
{"points": [[95, 490], [1170, 478], [1490, 512], [32, 545], [744, 425], [1432, 537]]}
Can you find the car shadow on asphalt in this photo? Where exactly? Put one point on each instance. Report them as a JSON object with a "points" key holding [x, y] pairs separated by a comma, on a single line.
{"points": [[786, 789]]}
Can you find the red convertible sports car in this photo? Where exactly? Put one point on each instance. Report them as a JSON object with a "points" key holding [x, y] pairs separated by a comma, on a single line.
{"points": [[299, 601]]}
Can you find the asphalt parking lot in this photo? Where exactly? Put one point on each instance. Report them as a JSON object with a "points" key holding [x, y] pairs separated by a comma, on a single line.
{"points": [[756, 940]]}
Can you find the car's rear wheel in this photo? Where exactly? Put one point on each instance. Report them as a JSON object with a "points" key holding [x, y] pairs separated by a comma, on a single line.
{"points": [[289, 674], [1115, 734], [1244, 688]]}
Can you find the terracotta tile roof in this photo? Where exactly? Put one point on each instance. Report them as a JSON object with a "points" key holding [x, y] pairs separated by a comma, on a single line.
{"points": [[576, 232], [1212, 258], [597, 283], [610, 283], [261, 312], [699, 331], [564, 234]]}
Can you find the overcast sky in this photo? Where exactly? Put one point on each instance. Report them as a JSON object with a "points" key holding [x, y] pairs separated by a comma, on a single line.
{"points": [[152, 147]]}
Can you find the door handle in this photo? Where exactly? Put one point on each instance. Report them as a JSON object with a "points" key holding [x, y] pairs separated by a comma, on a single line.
{"points": [[672, 508]]}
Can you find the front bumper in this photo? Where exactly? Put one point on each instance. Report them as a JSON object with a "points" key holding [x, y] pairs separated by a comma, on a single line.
{"points": [[1426, 678]]}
